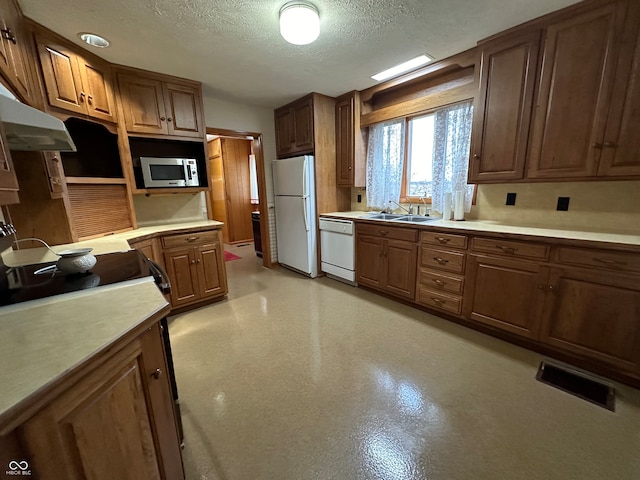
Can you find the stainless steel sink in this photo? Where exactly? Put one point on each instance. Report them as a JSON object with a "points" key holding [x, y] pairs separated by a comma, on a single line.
{"points": [[386, 216], [414, 219]]}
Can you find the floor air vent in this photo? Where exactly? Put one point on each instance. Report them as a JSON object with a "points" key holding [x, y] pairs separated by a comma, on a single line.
{"points": [[578, 385]]}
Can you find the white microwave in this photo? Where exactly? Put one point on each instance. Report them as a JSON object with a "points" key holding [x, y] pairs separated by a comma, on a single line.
{"points": [[169, 172]]}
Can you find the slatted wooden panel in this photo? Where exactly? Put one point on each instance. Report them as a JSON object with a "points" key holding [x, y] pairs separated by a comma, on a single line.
{"points": [[97, 209]]}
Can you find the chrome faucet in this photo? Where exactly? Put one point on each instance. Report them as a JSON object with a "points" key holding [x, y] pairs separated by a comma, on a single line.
{"points": [[410, 211]]}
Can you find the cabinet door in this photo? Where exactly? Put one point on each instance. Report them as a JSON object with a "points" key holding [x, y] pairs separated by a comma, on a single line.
{"points": [[180, 264], [53, 166], [285, 131], [401, 260], [62, 78], [211, 270], [303, 125], [621, 140], [8, 179], [369, 261], [594, 314], [505, 294], [143, 104], [344, 142], [580, 56], [183, 109], [97, 82], [15, 50], [100, 428], [503, 109]]}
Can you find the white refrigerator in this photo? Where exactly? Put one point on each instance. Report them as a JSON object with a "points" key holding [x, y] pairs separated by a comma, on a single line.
{"points": [[295, 202]]}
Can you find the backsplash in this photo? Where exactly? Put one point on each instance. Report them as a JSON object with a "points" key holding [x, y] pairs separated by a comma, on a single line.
{"points": [[593, 206], [166, 209]]}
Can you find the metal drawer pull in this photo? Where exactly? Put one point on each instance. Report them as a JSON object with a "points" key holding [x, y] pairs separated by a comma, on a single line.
{"points": [[439, 283], [384, 232], [438, 301], [443, 240], [192, 239], [441, 261], [507, 249], [609, 262], [8, 35], [157, 374]]}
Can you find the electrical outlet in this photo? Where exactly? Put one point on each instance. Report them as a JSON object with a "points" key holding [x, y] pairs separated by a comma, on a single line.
{"points": [[511, 199], [359, 198], [563, 204]]}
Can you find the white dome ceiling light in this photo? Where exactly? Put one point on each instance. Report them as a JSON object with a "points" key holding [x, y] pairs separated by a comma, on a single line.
{"points": [[299, 22]]}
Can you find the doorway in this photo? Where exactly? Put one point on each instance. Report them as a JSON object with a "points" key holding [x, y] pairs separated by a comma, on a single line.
{"points": [[238, 188]]}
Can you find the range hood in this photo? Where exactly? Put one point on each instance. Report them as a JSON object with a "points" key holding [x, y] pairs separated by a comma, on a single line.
{"points": [[30, 129]]}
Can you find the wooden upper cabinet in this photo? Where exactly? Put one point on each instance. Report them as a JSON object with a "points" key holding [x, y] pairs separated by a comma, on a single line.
{"points": [[76, 83], [8, 179], [503, 108], [294, 128], [350, 143], [183, 108], [154, 106], [16, 54], [578, 69], [619, 154]]}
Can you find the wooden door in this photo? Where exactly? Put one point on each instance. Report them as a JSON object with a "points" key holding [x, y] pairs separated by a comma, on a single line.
{"points": [[180, 265], [217, 187], [502, 113], [369, 261], [401, 260], [143, 104], [622, 139], [62, 78], [506, 294], [285, 132], [303, 125], [211, 277], [100, 428], [580, 56], [97, 82], [183, 107], [344, 142], [235, 157], [594, 314]]}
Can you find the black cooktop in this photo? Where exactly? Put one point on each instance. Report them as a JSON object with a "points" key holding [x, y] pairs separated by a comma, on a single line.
{"points": [[22, 283]]}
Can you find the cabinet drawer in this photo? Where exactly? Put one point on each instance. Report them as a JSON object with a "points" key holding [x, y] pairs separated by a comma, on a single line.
{"points": [[440, 301], [189, 239], [444, 239], [437, 281], [622, 261], [384, 231], [512, 249], [442, 260]]}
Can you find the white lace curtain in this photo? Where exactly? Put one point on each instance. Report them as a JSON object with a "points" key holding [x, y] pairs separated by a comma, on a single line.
{"points": [[451, 145], [385, 161]]}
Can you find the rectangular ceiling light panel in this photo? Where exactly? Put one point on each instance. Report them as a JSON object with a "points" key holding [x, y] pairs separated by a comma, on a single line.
{"points": [[402, 68]]}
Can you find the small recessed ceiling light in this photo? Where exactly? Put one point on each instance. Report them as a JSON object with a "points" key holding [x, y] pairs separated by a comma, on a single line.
{"points": [[403, 67], [94, 40]]}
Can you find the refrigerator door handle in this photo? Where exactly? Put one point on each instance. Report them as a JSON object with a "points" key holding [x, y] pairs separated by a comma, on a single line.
{"points": [[304, 212]]}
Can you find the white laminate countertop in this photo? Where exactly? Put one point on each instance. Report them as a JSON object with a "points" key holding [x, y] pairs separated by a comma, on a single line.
{"points": [[108, 244], [486, 226], [43, 339]]}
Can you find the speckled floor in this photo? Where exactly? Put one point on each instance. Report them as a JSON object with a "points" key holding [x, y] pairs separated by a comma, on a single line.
{"points": [[292, 378]]}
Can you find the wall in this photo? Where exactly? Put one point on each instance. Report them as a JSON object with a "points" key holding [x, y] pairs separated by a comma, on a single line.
{"points": [[166, 209]]}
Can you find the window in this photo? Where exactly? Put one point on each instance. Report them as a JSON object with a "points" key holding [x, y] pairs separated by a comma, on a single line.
{"points": [[433, 157]]}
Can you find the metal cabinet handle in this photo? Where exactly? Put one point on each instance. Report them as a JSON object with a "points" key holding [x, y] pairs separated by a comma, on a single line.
{"points": [[192, 262], [157, 374], [90, 99], [609, 262], [438, 301], [597, 145], [192, 239], [169, 119], [349, 167], [82, 95], [8, 35], [476, 156], [443, 240], [162, 119], [439, 283], [507, 249], [610, 145], [551, 288], [384, 232], [198, 261], [441, 261]]}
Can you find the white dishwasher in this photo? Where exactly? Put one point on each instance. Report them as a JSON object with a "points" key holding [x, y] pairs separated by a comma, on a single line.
{"points": [[337, 249]]}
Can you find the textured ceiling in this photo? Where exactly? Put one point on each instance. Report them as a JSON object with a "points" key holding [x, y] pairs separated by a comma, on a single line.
{"points": [[234, 46]]}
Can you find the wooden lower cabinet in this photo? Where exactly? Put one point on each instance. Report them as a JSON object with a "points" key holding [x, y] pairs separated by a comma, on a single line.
{"points": [[595, 314], [115, 422], [387, 264], [506, 294], [197, 273]]}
